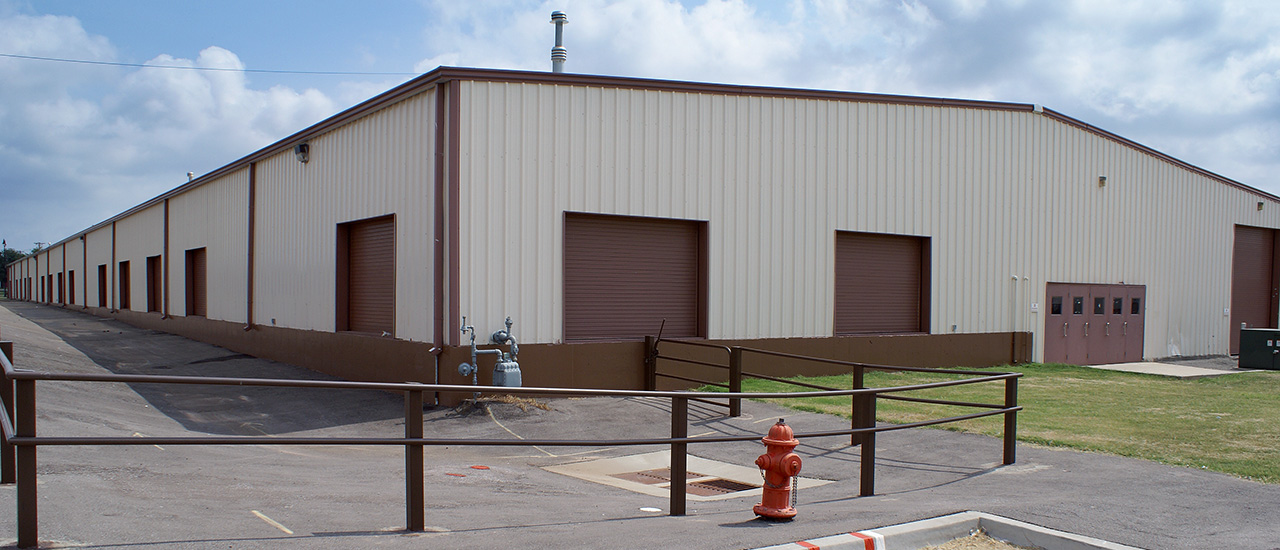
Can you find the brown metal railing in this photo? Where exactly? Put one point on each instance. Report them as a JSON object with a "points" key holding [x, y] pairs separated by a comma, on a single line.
{"points": [[863, 405], [18, 427]]}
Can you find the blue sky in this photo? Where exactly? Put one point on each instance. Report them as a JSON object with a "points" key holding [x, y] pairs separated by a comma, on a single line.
{"points": [[1199, 80]]}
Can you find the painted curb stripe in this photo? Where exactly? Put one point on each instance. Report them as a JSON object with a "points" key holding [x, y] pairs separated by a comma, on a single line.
{"points": [[809, 545], [871, 540]]}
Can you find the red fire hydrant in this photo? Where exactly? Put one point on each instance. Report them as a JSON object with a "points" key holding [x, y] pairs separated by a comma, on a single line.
{"points": [[779, 465]]}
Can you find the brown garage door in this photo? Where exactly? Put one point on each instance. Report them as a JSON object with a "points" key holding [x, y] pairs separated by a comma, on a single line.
{"points": [[881, 283], [624, 275], [155, 278], [1253, 281], [370, 274], [197, 283]]}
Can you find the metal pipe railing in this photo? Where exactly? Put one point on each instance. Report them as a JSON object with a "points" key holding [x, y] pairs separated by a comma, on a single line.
{"points": [[18, 423], [862, 408]]}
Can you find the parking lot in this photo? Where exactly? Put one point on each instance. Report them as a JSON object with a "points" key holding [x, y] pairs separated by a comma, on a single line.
{"points": [[353, 496]]}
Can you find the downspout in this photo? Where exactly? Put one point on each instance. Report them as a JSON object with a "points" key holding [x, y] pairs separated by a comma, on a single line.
{"points": [[438, 230], [84, 268], [252, 230], [165, 262], [112, 269], [61, 290]]}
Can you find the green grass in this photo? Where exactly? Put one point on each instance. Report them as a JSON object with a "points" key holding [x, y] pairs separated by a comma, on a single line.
{"points": [[1229, 424]]}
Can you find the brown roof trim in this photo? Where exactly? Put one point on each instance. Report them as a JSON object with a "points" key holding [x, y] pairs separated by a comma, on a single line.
{"points": [[444, 74], [1143, 148], [498, 75]]}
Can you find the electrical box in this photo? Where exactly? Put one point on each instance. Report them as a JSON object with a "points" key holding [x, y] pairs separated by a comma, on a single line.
{"points": [[1260, 348]]}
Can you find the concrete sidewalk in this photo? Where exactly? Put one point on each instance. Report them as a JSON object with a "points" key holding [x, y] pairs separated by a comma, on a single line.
{"points": [[353, 497]]}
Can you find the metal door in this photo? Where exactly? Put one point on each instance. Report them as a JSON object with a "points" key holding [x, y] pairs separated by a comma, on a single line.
{"points": [[1077, 325], [1105, 345], [1055, 323], [1133, 325]]}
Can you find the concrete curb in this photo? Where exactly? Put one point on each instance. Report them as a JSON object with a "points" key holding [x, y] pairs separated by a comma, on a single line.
{"points": [[933, 531]]}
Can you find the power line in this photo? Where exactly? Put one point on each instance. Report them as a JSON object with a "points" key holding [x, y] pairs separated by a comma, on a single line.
{"points": [[144, 66]]}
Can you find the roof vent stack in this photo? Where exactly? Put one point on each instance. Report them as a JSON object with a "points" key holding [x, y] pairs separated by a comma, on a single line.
{"points": [[559, 54]]}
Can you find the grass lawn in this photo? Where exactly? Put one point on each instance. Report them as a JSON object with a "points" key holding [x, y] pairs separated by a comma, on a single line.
{"points": [[1229, 424]]}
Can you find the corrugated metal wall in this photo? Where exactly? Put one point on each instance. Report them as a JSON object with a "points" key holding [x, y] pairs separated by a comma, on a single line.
{"points": [[57, 257], [138, 237], [214, 216], [74, 250], [1002, 194], [377, 165], [99, 243]]}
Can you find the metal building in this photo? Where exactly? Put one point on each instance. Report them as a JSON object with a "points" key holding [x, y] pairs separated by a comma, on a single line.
{"points": [[591, 210]]}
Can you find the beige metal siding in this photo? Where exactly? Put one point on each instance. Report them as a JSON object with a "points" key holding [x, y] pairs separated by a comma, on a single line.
{"points": [[378, 165], [99, 243], [138, 237], [1002, 194], [57, 255], [214, 216], [74, 261]]}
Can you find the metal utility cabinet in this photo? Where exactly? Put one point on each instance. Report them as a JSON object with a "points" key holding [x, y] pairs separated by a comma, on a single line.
{"points": [[1260, 348]]}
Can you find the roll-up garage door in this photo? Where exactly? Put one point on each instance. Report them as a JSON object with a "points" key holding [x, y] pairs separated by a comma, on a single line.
{"points": [[371, 297], [197, 283], [881, 283], [1253, 281], [624, 275]]}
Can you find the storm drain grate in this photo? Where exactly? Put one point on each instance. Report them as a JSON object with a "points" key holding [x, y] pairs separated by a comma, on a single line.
{"points": [[706, 486], [723, 486], [653, 477]]}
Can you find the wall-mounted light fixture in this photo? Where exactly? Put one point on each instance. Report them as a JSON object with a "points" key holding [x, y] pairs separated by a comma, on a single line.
{"points": [[1102, 181], [302, 151], [1259, 206]]}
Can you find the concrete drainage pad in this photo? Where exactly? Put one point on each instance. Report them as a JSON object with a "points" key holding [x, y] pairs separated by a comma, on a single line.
{"points": [[650, 474], [939, 530]]}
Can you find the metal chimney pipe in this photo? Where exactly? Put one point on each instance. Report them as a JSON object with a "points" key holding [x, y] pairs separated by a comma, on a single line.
{"points": [[559, 54]]}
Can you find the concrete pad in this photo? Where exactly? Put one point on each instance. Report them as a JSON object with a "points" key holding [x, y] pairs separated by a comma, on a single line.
{"points": [[605, 471], [940, 530], [1168, 369]]}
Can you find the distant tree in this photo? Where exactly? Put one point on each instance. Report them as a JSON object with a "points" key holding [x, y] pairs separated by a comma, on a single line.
{"points": [[7, 256]]}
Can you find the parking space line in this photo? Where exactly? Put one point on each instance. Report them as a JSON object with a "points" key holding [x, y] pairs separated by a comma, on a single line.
{"points": [[272, 522]]}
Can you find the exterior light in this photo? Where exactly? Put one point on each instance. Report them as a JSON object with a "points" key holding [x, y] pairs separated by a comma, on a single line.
{"points": [[1102, 181], [302, 151]]}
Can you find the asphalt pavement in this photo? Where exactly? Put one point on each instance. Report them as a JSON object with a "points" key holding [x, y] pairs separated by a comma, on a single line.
{"points": [[353, 496]]}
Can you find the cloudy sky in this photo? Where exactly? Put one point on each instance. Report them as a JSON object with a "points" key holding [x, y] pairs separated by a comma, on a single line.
{"points": [[1199, 80]]}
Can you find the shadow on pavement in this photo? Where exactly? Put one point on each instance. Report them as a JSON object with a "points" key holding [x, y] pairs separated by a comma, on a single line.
{"points": [[222, 410]]}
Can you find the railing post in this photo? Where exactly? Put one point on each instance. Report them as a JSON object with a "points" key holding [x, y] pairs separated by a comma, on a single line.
{"points": [[735, 380], [28, 524], [8, 455], [864, 416], [650, 363], [679, 453], [415, 503], [1010, 421], [858, 383]]}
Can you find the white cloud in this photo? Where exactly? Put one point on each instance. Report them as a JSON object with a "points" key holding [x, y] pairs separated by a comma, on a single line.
{"points": [[119, 136]]}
